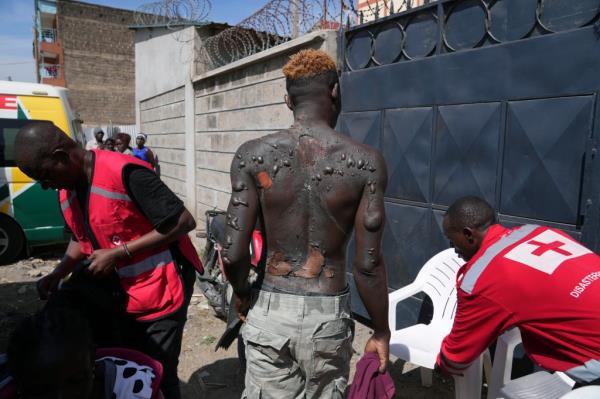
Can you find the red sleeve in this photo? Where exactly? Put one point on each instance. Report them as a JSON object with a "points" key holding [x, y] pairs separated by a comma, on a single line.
{"points": [[478, 322]]}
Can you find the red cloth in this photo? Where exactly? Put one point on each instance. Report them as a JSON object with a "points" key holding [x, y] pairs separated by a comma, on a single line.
{"points": [[544, 282], [368, 382]]}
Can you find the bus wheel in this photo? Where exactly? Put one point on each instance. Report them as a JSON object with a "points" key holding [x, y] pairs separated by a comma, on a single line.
{"points": [[12, 240]]}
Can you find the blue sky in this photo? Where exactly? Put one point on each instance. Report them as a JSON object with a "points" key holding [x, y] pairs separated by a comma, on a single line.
{"points": [[16, 24]]}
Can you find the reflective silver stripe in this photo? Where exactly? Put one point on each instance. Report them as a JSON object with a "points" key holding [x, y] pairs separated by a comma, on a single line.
{"points": [[587, 372], [479, 266], [110, 194], [67, 203], [453, 367], [157, 260]]}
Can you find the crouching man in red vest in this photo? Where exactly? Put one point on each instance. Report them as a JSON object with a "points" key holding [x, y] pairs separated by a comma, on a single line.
{"points": [[125, 221], [531, 277]]}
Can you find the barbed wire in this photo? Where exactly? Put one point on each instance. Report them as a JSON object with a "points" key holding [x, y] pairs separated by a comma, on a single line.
{"points": [[170, 12], [276, 22]]}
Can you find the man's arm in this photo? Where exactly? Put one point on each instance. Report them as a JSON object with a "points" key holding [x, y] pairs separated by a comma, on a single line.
{"points": [[151, 158], [48, 284], [241, 218], [162, 208], [477, 323], [368, 267]]}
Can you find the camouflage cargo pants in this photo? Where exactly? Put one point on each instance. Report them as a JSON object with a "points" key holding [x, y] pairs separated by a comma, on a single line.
{"points": [[298, 346]]}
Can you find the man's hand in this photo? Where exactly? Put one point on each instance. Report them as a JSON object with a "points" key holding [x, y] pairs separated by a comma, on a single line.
{"points": [[380, 343], [103, 261], [47, 285], [242, 306]]}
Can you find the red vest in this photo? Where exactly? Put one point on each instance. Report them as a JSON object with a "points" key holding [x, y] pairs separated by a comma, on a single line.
{"points": [[150, 278]]}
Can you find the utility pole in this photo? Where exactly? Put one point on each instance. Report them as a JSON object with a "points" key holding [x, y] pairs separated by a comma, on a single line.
{"points": [[296, 22]]}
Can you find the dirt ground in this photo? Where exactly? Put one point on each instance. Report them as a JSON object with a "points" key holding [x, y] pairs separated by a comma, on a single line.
{"points": [[204, 373]]}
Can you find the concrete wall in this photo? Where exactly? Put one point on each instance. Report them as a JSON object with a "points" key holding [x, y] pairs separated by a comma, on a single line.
{"points": [[163, 120], [237, 103], [165, 100], [196, 123], [98, 61], [162, 60]]}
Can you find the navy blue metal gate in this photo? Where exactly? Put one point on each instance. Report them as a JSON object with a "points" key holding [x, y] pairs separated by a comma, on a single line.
{"points": [[495, 98]]}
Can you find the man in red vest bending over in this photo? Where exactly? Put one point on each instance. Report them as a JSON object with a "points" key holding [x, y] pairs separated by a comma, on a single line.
{"points": [[531, 277], [125, 221]]}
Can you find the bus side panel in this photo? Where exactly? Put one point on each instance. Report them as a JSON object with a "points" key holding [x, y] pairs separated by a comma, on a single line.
{"points": [[38, 213], [35, 209]]}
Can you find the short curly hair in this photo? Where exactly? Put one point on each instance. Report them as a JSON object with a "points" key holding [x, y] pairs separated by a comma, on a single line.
{"points": [[470, 211], [309, 71], [308, 63]]}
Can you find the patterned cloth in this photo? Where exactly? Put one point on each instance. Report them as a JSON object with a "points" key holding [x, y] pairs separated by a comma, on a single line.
{"points": [[125, 379]]}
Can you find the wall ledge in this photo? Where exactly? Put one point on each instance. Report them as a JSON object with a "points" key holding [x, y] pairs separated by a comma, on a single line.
{"points": [[317, 36]]}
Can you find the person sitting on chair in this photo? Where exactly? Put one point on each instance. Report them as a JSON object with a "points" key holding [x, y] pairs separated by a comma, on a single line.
{"points": [[532, 277]]}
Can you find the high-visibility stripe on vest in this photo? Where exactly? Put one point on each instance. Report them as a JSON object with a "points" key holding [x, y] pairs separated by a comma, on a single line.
{"points": [[150, 279]]}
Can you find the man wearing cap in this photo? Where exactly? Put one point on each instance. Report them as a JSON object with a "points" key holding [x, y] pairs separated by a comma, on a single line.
{"points": [[142, 152], [96, 142]]}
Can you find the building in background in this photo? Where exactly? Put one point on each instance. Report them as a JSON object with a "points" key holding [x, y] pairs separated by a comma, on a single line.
{"points": [[373, 9], [89, 50]]}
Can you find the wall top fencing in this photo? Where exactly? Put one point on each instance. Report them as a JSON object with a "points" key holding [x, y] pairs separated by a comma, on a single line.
{"points": [[457, 25]]}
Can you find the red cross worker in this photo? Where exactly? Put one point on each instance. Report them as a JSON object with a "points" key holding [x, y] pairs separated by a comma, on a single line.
{"points": [[535, 278]]}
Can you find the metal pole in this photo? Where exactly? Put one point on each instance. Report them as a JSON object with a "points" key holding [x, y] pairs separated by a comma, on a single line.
{"points": [[296, 23]]}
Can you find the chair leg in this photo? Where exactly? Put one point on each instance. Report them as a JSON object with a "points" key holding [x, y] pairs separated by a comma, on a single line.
{"points": [[468, 386], [426, 377], [487, 366]]}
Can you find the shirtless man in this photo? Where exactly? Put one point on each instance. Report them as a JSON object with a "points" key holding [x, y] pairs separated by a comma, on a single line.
{"points": [[310, 186]]}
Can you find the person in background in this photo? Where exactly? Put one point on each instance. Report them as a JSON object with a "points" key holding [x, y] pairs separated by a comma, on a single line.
{"points": [[109, 144], [122, 142], [142, 152], [96, 142], [51, 354]]}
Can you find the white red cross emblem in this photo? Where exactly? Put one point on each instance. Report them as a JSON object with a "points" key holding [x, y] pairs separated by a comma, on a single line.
{"points": [[546, 251]]}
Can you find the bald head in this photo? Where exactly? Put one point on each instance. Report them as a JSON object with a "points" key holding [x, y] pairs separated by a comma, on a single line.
{"points": [[45, 153]]}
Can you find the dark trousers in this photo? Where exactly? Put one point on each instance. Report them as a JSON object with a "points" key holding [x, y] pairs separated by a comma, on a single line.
{"points": [[102, 303], [161, 339]]}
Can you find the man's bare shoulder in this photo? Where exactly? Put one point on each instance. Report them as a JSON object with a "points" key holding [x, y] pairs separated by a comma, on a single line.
{"points": [[362, 156], [273, 140]]}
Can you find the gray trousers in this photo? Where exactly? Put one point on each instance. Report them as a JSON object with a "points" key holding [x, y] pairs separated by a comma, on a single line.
{"points": [[298, 346]]}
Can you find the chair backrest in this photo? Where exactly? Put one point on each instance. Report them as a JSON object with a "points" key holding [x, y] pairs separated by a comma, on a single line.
{"points": [[438, 279]]}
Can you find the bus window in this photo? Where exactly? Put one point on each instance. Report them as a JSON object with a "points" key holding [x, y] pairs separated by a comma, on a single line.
{"points": [[8, 132]]}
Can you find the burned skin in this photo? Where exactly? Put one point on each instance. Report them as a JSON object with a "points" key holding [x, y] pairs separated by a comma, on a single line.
{"points": [[313, 187]]}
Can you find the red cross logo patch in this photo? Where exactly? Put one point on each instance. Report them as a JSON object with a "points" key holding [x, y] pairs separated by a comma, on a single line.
{"points": [[546, 251]]}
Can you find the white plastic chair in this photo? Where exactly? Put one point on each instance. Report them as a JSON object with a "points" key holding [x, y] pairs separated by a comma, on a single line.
{"points": [[591, 392], [539, 385], [420, 344]]}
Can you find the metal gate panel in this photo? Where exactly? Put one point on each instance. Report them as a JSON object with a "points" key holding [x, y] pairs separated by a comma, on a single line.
{"points": [[407, 151], [363, 127], [509, 87], [406, 228], [466, 152], [544, 158]]}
